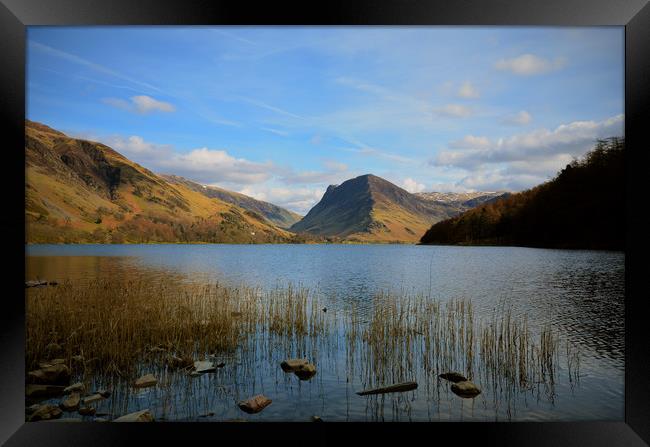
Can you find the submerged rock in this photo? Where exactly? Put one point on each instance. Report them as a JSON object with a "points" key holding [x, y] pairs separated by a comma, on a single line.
{"points": [[58, 374], [255, 404], [71, 403], [145, 381], [292, 365], [465, 389], [34, 391], [138, 416], [305, 372], [87, 411], [45, 412], [396, 388], [453, 377]]}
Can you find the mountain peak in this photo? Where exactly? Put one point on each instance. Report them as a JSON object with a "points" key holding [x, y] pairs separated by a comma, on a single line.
{"points": [[370, 208]]}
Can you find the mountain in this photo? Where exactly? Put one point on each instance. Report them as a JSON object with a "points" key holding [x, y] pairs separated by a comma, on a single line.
{"points": [[371, 209], [83, 191], [281, 217], [582, 207], [463, 199]]}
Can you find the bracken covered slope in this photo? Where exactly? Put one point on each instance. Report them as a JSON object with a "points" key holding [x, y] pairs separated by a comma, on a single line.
{"points": [[81, 191]]}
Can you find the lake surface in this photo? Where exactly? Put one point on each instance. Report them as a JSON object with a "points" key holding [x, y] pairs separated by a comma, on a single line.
{"points": [[579, 293]]}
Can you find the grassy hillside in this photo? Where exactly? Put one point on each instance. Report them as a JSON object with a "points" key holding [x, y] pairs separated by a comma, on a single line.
{"points": [[582, 207], [80, 191], [279, 216], [371, 209]]}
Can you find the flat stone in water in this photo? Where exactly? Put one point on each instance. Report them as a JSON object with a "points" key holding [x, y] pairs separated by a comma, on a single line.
{"points": [[75, 387], [145, 381], [138, 416], [204, 366], [465, 389], [255, 404], [398, 387], [93, 398], [453, 377]]}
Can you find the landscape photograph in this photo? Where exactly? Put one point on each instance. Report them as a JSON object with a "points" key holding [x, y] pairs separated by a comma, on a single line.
{"points": [[324, 224]]}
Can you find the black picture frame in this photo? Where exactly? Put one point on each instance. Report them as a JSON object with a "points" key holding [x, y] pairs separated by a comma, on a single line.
{"points": [[15, 15]]}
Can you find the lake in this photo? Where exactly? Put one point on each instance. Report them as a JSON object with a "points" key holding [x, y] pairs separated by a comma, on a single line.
{"points": [[579, 293]]}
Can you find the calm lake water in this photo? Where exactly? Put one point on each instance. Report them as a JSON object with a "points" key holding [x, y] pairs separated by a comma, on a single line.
{"points": [[579, 293]]}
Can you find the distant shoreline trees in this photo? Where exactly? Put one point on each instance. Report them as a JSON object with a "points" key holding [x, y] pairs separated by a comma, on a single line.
{"points": [[582, 207]]}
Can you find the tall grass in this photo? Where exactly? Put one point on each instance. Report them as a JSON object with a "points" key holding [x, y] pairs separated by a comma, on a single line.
{"points": [[120, 326]]}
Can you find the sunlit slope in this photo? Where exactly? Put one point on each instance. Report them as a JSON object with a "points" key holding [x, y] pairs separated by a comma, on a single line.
{"points": [[83, 191], [279, 216], [371, 209]]}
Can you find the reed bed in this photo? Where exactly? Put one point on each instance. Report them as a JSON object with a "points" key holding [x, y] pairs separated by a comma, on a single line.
{"points": [[121, 328]]}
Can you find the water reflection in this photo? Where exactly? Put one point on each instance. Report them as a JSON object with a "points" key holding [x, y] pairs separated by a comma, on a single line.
{"points": [[579, 292]]}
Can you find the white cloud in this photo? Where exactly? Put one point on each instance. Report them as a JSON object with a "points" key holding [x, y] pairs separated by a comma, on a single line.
{"points": [[412, 186], [520, 118], [470, 142], [141, 104], [276, 131], [467, 90], [146, 104], [529, 64], [574, 139], [137, 146], [211, 166], [299, 200], [453, 111]]}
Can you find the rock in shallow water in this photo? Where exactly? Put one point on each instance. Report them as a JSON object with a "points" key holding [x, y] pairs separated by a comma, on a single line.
{"points": [[138, 416], [93, 398], [71, 403], [34, 391], [453, 377], [87, 411], [398, 387], [58, 374], [465, 389], [75, 387], [305, 372], [255, 404], [145, 381], [204, 366], [291, 365], [45, 412]]}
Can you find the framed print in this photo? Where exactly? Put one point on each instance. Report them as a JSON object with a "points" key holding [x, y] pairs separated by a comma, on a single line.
{"points": [[360, 222]]}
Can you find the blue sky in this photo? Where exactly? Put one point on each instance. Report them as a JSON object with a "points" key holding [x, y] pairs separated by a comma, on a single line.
{"points": [[279, 113]]}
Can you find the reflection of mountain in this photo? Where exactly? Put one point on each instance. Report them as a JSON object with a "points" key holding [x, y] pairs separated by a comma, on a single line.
{"points": [[81, 191], [371, 209], [281, 217], [582, 207]]}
